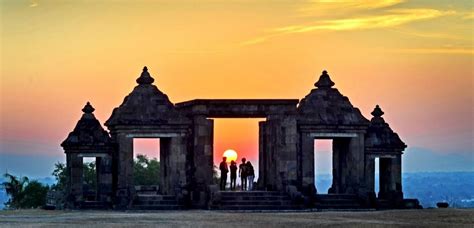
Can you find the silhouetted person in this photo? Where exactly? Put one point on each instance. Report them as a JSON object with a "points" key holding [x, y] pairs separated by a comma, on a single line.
{"points": [[250, 174], [243, 174], [224, 170], [233, 174]]}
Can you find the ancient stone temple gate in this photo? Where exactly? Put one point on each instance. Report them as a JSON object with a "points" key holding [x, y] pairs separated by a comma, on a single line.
{"points": [[286, 152]]}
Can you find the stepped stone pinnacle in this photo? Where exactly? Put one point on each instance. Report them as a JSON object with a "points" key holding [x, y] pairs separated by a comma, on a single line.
{"points": [[145, 78], [88, 108], [377, 111], [324, 81]]}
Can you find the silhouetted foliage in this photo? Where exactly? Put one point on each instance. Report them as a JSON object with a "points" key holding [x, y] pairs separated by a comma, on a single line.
{"points": [[60, 174], [90, 175], [24, 193], [34, 195], [146, 171]]}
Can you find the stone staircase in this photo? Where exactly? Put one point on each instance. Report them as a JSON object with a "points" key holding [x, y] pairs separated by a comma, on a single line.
{"points": [[254, 200], [338, 202], [94, 205], [156, 202]]}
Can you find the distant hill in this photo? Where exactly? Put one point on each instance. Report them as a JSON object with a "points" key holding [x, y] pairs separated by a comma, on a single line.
{"points": [[457, 188]]}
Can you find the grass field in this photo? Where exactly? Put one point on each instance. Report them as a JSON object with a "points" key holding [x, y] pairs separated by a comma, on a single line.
{"points": [[203, 218]]}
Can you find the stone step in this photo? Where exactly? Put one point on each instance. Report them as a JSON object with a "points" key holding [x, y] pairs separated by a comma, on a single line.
{"points": [[93, 205], [267, 203], [335, 196], [250, 193], [338, 206], [155, 197], [337, 201], [268, 198], [158, 207], [255, 207], [155, 202]]}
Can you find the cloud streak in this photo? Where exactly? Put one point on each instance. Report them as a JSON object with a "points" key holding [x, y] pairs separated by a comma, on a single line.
{"points": [[318, 7], [391, 18], [463, 51]]}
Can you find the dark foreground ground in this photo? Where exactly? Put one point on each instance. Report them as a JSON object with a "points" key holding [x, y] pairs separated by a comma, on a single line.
{"points": [[202, 218]]}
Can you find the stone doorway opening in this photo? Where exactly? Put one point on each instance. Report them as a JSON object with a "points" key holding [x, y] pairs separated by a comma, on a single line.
{"points": [[240, 135], [323, 164], [147, 165], [90, 178]]}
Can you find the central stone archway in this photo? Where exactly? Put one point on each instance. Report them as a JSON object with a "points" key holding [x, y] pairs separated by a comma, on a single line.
{"points": [[275, 137]]}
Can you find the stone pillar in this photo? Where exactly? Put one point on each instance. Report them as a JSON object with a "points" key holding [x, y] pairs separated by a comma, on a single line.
{"points": [[339, 151], [262, 157], [385, 177], [104, 178], [177, 180], [165, 153], [270, 161], [75, 169], [285, 138], [369, 173], [397, 175], [203, 140], [307, 164], [125, 186]]}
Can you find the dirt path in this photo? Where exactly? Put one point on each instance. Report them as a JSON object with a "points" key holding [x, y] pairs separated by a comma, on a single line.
{"points": [[202, 218]]}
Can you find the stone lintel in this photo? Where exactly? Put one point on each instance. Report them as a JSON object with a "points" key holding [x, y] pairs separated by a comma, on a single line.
{"points": [[164, 129], [333, 135], [154, 135], [382, 155], [97, 155], [307, 128], [238, 108], [88, 150]]}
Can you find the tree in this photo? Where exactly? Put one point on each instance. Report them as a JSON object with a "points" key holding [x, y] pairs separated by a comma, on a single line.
{"points": [[60, 173], [90, 175], [14, 187], [146, 171], [24, 193], [34, 195]]}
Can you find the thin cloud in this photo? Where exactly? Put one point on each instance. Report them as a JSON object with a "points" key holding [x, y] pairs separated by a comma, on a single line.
{"points": [[391, 18], [33, 4], [469, 16], [463, 51], [427, 34], [322, 7]]}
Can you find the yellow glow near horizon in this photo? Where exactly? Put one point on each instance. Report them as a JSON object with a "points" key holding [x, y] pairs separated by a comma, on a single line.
{"points": [[231, 155]]}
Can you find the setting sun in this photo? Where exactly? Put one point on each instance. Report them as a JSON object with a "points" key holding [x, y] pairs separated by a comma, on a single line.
{"points": [[231, 155]]}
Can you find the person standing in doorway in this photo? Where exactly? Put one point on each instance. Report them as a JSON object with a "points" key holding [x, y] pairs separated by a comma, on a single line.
{"points": [[224, 170], [243, 175], [233, 175], [250, 175]]}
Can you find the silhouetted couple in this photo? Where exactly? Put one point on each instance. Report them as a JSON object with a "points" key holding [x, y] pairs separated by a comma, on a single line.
{"points": [[246, 173]]}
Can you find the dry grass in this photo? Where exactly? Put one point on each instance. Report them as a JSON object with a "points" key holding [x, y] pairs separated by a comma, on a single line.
{"points": [[202, 218]]}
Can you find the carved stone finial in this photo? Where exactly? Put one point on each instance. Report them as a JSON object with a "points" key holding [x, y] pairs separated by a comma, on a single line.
{"points": [[145, 78], [324, 81], [377, 111], [88, 108]]}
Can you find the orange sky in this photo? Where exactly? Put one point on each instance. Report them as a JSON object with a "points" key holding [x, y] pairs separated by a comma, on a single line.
{"points": [[414, 58]]}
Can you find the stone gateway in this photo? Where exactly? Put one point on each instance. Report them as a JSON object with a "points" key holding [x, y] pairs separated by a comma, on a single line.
{"points": [[286, 177]]}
